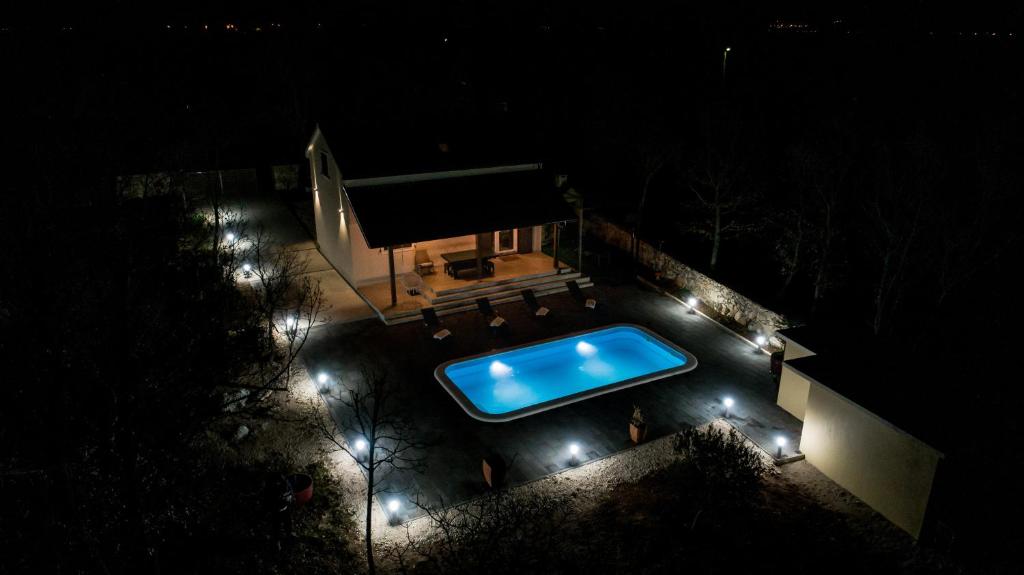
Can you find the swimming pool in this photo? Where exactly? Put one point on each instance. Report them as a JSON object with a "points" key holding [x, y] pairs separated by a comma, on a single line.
{"points": [[527, 379]]}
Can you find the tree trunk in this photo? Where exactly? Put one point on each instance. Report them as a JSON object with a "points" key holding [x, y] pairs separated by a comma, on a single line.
{"points": [[795, 261], [717, 238], [370, 567]]}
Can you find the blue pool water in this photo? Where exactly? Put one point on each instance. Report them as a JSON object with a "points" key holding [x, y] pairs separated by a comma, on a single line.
{"points": [[521, 381]]}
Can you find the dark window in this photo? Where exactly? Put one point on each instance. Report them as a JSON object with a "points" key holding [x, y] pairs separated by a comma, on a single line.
{"points": [[325, 170]]}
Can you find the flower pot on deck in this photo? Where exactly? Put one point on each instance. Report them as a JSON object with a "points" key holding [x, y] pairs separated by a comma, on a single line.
{"points": [[494, 469], [302, 487], [637, 432]]}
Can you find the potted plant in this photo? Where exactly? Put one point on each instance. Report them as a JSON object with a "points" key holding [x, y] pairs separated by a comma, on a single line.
{"points": [[637, 426]]}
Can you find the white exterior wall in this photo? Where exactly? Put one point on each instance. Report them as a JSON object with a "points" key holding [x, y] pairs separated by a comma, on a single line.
{"points": [[335, 226], [882, 465], [793, 386], [793, 389]]}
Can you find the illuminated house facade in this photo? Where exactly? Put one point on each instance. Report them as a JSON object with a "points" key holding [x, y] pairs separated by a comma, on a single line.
{"points": [[438, 231]]}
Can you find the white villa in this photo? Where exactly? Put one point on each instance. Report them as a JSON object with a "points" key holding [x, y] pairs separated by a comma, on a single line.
{"points": [[440, 235]]}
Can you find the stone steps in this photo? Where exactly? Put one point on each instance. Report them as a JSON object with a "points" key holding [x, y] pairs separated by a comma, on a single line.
{"points": [[509, 292]]}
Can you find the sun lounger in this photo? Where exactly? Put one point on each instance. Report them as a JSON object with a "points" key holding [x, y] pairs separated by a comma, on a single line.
{"points": [[431, 320], [495, 320], [578, 295], [531, 302]]}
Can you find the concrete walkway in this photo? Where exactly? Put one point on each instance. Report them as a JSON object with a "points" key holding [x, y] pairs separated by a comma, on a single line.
{"points": [[278, 218]]}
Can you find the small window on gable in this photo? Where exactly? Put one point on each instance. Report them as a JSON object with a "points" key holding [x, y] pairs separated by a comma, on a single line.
{"points": [[325, 169]]}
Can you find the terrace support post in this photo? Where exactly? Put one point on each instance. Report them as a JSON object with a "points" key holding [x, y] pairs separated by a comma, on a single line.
{"points": [[391, 274], [579, 244], [554, 247], [479, 260]]}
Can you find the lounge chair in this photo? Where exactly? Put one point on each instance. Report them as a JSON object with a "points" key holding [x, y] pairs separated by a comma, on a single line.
{"points": [[578, 295], [531, 302], [431, 320], [495, 320], [424, 266]]}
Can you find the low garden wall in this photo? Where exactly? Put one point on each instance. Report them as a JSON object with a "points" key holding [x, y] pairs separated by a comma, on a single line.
{"points": [[725, 302]]}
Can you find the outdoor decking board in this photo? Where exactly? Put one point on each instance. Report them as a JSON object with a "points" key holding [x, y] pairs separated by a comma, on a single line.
{"points": [[539, 443]]}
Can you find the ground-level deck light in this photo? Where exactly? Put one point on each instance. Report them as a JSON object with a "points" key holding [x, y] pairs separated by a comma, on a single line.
{"points": [[394, 506], [574, 452], [780, 442], [246, 270], [728, 405], [692, 302]]}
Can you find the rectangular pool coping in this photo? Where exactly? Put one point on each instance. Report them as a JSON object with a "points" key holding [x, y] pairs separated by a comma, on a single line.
{"points": [[473, 411]]}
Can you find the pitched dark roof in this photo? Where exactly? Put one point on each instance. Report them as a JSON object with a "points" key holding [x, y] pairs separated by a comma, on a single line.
{"points": [[394, 148], [403, 213]]}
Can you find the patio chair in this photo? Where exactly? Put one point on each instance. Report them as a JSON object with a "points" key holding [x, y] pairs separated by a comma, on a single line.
{"points": [[423, 264], [531, 302], [431, 320], [484, 305], [578, 295]]}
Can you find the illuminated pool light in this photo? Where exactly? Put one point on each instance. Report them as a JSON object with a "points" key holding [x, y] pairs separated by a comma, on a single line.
{"points": [[499, 370], [585, 349]]}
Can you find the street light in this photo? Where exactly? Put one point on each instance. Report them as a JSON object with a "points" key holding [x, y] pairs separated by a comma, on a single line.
{"points": [[725, 57]]}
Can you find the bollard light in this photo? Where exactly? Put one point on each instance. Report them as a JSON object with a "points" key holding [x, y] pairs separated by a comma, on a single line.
{"points": [[692, 302], [322, 378], [780, 442], [574, 451], [230, 237], [761, 340], [728, 402], [246, 270]]}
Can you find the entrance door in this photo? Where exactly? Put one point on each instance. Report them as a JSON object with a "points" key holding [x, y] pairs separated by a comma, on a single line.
{"points": [[506, 241]]}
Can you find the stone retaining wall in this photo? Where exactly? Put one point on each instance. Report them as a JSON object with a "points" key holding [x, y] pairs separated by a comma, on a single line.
{"points": [[719, 298]]}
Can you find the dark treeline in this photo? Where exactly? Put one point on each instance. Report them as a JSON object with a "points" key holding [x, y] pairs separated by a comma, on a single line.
{"points": [[865, 177]]}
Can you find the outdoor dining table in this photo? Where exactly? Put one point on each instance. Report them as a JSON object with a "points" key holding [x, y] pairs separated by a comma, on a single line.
{"points": [[454, 262]]}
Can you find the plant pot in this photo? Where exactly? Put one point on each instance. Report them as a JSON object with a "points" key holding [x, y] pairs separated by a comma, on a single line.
{"points": [[302, 487], [637, 432], [494, 469]]}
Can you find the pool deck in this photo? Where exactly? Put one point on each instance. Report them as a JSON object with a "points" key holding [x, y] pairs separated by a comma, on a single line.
{"points": [[728, 366]]}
